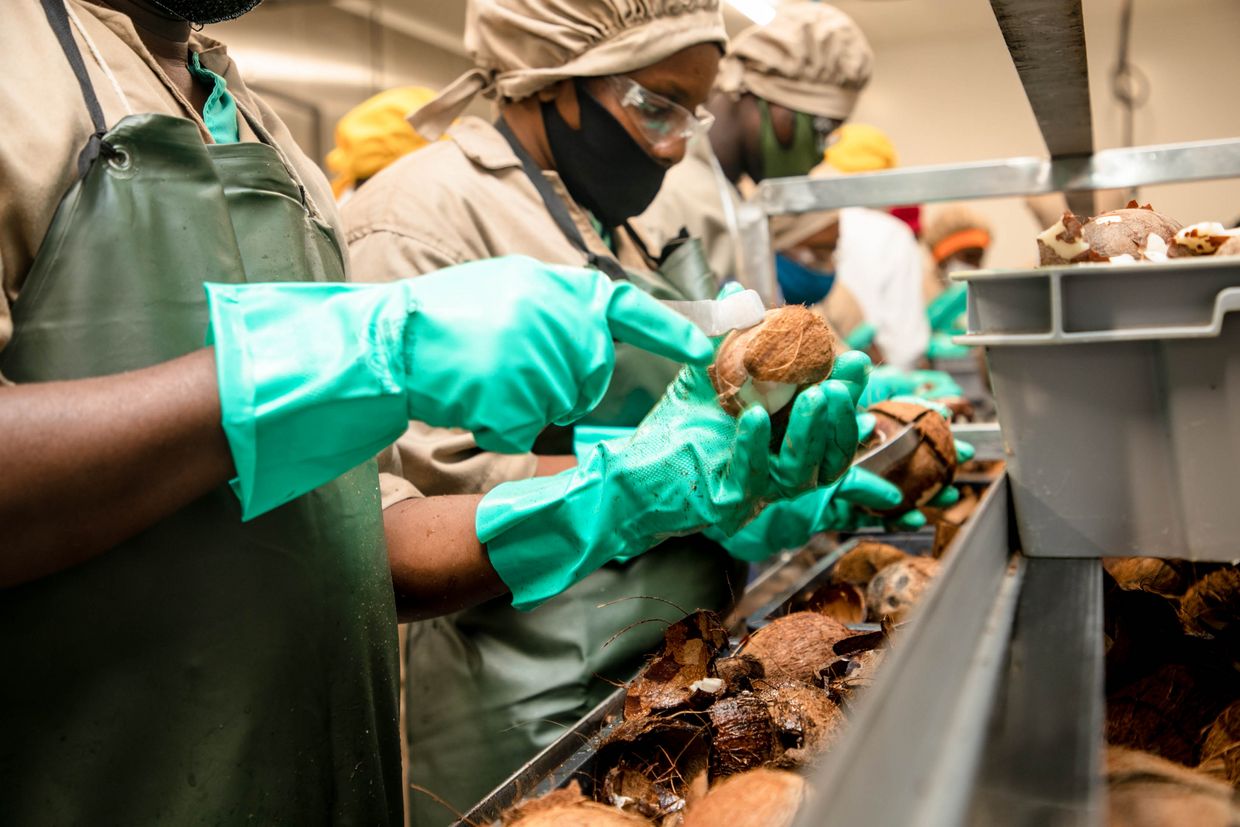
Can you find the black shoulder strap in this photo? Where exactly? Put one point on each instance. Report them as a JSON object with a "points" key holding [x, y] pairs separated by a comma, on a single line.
{"points": [[557, 208], [58, 19]]}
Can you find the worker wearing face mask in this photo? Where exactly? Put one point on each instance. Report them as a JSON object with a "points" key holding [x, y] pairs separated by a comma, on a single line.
{"points": [[197, 607], [595, 104], [956, 239], [782, 89]]}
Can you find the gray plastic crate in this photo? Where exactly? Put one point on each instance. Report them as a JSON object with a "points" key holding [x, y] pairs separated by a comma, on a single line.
{"points": [[1118, 388]]}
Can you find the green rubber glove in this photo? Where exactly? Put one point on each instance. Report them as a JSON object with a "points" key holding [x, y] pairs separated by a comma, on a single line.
{"points": [[948, 306], [791, 523], [862, 336], [688, 465], [316, 378], [942, 347], [889, 383]]}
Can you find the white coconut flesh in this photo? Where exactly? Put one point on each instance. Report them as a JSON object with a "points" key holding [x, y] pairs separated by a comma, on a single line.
{"points": [[1067, 250], [771, 395]]}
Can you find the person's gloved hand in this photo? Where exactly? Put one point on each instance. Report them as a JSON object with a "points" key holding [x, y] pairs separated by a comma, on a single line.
{"points": [[887, 382], [862, 336], [688, 465], [942, 347], [948, 306], [791, 523], [316, 378]]}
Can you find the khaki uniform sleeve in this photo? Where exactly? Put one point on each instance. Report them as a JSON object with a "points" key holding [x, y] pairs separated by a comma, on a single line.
{"points": [[387, 255]]}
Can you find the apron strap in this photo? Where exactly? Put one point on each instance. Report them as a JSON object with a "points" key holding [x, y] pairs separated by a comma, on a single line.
{"points": [[558, 209], [58, 19]]}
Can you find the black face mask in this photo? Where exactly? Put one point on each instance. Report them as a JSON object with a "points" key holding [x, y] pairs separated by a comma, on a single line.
{"points": [[604, 169], [206, 11]]}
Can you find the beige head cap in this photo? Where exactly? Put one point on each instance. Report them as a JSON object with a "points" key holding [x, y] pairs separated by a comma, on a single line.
{"points": [[811, 58], [522, 46]]}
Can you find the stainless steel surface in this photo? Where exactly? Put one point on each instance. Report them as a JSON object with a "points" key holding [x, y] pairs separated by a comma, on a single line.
{"points": [[1105, 169], [718, 316], [1043, 759], [986, 439], [1046, 39], [756, 259], [890, 453], [918, 727]]}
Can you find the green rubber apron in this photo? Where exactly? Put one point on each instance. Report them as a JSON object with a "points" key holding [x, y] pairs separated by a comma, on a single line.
{"points": [[206, 671], [490, 687]]}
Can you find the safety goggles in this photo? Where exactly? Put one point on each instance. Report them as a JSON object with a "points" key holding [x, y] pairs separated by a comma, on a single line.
{"points": [[660, 120]]}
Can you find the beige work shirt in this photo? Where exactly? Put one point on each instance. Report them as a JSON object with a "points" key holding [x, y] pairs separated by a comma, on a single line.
{"points": [[693, 197], [46, 123], [454, 201]]}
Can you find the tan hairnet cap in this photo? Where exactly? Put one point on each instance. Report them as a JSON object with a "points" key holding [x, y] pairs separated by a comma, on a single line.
{"points": [[811, 58], [522, 46]]}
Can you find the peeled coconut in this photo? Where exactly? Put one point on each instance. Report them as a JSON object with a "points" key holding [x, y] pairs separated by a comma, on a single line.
{"points": [[1131, 234], [1230, 248], [796, 645], [770, 363], [1220, 754], [931, 465], [757, 798], [1206, 238], [805, 718], [567, 807], [894, 591], [863, 561], [682, 673], [1144, 790], [1147, 574]]}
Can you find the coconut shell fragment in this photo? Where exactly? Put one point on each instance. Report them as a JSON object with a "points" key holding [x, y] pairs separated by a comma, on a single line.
{"points": [[739, 672], [742, 735], [1144, 790], [1135, 233], [796, 645], [1147, 574], [805, 719], [932, 464], [839, 601], [1210, 607], [673, 679], [650, 766], [567, 807], [758, 798], [894, 591]]}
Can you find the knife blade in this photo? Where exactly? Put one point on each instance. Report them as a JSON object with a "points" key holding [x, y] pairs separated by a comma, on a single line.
{"points": [[716, 317], [892, 452]]}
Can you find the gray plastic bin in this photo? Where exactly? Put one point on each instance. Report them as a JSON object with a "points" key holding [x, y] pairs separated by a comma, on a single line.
{"points": [[1118, 388]]}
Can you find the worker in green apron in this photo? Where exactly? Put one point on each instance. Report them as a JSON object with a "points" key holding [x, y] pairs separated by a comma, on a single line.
{"points": [[182, 650]]}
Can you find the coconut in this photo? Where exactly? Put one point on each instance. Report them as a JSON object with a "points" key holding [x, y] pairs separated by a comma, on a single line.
{"points": [[1144, 790], [1131, 234], [805, 719], [742, 735], [896, 589], [567, 807], [739, 672], [1220, 754], [846, 676], [771, 362], [1206, 238], [1147, 574], [758, 798], [863, 561], [650, 766], [844, 602], [677, 677], [1166, 711], [930, 466], [1231, 247], [1210, 606], [796, 645]]}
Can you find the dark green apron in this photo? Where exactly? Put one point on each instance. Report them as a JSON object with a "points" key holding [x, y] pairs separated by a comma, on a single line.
{"points": [[490, 687], [206, 671]]}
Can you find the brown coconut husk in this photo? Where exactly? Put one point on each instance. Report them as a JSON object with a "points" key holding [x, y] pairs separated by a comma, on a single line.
{"points": [[846, 677], [1137, 627], [839, 601], [792, 345], [1147, 574], [1210, 607], [1167, 711], [863, 561], [805, 718], [894, 591], [1144, 790], [567, 807], [796, 645], [930, 466], [739, 672], [673, 678], [651, 766], [1110, 234], [758, 798], [742, 735], [1220, 753]]}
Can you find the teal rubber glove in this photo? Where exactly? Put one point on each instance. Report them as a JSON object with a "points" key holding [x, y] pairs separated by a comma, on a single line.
{"points": [[689, 465], [791, 523], [862, 336], [942, 347], [947, 307], [889, 383], [314, 379]]}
